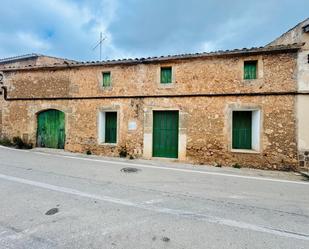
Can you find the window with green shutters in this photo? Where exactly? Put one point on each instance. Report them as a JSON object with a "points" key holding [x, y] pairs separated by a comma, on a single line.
{"points": [[166, 75], [250, 70], [110, 127], [242, 130], [106, 79]]}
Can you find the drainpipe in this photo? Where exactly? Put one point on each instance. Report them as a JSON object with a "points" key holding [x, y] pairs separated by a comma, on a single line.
{"points": [[3, 91], [1, 83]]}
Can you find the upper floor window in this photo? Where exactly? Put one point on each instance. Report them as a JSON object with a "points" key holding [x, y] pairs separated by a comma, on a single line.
{"points": [[166, 75], [250, 70], [106, 79]]}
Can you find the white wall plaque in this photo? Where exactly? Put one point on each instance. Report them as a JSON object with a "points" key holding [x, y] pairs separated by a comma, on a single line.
{"points": [[132, 126]]}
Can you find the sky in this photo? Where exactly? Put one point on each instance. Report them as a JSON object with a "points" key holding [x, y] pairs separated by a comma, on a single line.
{"points": [[142, 28]]}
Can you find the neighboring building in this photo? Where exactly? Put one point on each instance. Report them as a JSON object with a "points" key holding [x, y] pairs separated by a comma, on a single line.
{"points": [[30, 60], [300, 34], [227, 107]]}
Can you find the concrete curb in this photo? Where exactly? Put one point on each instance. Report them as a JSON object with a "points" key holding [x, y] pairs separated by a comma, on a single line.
{"points": [[305, 174]]}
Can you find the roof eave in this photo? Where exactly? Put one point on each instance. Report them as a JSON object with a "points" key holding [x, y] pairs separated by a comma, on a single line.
{"points": [[237, 52], [18, 58]]}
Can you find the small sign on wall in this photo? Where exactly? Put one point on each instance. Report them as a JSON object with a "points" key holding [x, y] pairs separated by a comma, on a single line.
{"points": [[132, 126]]}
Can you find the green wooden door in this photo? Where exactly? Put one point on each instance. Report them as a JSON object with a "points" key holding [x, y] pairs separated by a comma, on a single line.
{"points": [[111, 127], [165, 134], [242, 130], [51, 130]]}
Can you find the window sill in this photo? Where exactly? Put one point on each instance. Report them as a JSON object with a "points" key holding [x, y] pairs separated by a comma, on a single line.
{"points": [[106, 88], [108, 144], [245, 151], [167, 159], [252, 81], [166, 85]]}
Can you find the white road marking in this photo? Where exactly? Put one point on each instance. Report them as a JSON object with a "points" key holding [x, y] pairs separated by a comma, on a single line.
{"points": [[168, 168], [162, 210], [153, 201]]}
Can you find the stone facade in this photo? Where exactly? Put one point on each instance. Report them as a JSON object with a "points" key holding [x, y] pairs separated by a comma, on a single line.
{"points": [[300, 35], [205, 90]]}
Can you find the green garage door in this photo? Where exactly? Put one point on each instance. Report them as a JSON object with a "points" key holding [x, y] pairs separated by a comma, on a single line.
{"points": [[165, 134], [51, 132]]}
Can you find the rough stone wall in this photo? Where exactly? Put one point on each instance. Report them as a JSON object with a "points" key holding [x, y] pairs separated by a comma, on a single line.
{"points": [[297, 35], [47, 60], [303, 157], [210, 75], [208, 128], [38, 84]]}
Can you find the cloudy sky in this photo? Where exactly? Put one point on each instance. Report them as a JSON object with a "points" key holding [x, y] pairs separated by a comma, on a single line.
{"points": [[140, 28]]}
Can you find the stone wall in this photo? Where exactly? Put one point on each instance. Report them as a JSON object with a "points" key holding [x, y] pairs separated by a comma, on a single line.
{"points": [[297, 35], [205, 121], [210, 75], [207, 126], [303, 157]]}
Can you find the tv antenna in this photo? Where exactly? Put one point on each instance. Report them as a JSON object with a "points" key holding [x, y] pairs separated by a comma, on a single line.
{"points": [[102, 39]]}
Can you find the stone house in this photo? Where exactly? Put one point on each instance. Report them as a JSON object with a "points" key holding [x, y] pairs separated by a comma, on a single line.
{"points": [[30, 59], [244, 106]]}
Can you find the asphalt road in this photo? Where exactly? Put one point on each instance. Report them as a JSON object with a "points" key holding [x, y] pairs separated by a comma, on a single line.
{"points": [[93, 204]]}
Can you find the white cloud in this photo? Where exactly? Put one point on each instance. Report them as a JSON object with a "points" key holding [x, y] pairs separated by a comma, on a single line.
{"points": [[209, 46], [60, 27], [32, 41], [134, 28]]}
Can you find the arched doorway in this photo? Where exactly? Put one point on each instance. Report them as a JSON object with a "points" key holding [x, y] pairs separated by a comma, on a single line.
{"points": [[51, 129]]}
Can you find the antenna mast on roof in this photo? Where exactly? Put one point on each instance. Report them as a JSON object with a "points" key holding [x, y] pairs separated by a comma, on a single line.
{"points": [[100, 44]]}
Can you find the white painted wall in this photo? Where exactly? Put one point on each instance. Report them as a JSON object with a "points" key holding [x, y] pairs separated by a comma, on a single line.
{"points": [[302, 101], [101, 127], [302, 106], [256, 130]]}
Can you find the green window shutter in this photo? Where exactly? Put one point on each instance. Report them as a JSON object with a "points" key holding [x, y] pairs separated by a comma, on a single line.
{"points": [[106, 79], [110, 127], [166, 75], [242, 130], [250, 70]]}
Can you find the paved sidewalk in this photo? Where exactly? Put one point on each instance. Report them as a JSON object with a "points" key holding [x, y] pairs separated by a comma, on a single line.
{"points": [[293, 176]]}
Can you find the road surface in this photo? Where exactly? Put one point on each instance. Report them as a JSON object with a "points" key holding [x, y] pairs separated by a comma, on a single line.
{"points": [[61, 200]]}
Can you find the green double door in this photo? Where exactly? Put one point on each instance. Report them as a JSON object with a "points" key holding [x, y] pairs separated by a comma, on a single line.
{"points": [[51, 129], [165, 134]]}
